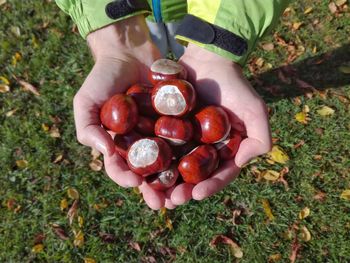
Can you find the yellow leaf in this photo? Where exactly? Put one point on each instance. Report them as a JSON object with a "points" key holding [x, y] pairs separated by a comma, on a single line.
{"points": [[169, 224], [4, 80], [259, 62], [45, 127], [80, 221], [297, 25], [11, 112], [278, 155], [15, 58], [96, 165], [275, 257], [73, 193], [345, 195], [38, 248], [302, 117], [314, 50], [340, 2], [304, 213], [63, 204], [308, 10], [54, 132], [270, 175], [22, 164], [4, 88], [344, 69], [2, 2], [89, 260], [35, 42], [325, 111], [79, 239], [267, 209], [58, 158], [305, 234]]}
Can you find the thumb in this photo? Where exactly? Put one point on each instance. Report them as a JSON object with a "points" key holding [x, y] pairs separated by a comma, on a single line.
{"points": [[249, 149]]}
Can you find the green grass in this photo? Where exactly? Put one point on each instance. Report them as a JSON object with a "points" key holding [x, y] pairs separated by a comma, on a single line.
{"points": [[56, 60]]}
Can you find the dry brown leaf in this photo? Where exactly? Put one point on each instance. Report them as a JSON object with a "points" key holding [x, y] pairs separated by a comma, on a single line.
{"points": [[295, 249], [320, 196], [299, 144], [96, 165], [38, 248], [95, 154], [59, 231], [22, 164], [275, 258], [29, 87], [340, 3], [260, 62], [267, 209], [72, 212], [73, 193], [270, 175], [107, 238], [4, 88], [332, 7], [297, 25], [78, 238], [10, 203], [345, 194], [63, 204], [325, 111], [304, 213], [2, 2], [268, 46], [305, 234], [39, 238], [135, 246], [234, 247], [54, 132]]}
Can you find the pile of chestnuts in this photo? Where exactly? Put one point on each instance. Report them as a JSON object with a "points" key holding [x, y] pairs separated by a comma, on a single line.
{"points": [[163, 134]]}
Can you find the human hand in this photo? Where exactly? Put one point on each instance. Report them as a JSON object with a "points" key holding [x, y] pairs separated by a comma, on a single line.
{"points": [[123, 52]]}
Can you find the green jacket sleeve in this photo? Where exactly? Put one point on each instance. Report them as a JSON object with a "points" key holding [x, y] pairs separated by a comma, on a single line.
{"points": [[89, 15], [249, 19]]}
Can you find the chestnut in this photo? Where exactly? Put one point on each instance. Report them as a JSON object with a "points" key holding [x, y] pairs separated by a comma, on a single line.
{"points": [[141, 93], [163, 180], [119, 114], [212, 125], [228, 148], [123, 141], [176, 131], [145, 126], [181, 150], [148, 156], [165, 69], [174, 97], [199, 164]]}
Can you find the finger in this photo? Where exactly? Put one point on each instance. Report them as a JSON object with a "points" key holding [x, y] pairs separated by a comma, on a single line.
{"points": [[119, 172], [154, 199], [182, 194], [168, 203], [259, 135], [221, 177]]}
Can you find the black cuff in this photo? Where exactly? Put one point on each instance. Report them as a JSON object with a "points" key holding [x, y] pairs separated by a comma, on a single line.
{"points": [[201, 31], [121, 8]]}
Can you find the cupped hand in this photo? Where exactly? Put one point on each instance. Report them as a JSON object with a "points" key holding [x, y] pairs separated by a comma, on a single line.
{"points": [[220, 81]]}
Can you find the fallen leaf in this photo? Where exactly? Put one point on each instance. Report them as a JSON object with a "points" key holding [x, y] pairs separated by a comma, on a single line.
{"points": [[4, 88], [54, 132], [270, 175], [297, 25], [302, 117], [317, 157], [340, 2], [10, 203], [169, 224], [135, 246], [235, 214], [267, 209], [2, 2], [304, 213], [325, 111], [319, 131], [234, 247], [268, 46], [332, 7], [107, 238], [299, 144], [305, 234], [95, 154], [314, 50], [11, 112], [45, 127], [89, 260], [73, 193], [59, 231], [15, 31], [96, 165], [345, 195], [63, 204], [4, 80], [29, 87], [344, 69], [259, 62], [308, 10], [15, 58], [38, 248], [80, 221], [278, 155], [72, 211], [275, 258], [58, 158], [39, 238], [22, 163], [295, 249], [78, 239], [320, 196]]}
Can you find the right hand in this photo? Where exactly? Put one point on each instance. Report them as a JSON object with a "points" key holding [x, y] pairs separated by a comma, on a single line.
{"points": [[123, 52]]}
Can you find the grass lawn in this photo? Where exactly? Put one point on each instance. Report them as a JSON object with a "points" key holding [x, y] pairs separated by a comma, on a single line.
{"points": [[299, 69]]}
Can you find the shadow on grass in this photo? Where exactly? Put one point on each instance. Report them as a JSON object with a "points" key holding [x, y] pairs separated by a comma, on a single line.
{"points": [[312, 74]]}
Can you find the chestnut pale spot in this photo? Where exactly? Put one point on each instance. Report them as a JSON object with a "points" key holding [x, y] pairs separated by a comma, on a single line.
{"points": [[166, 66], [166, 176], [143, 153], [170, 101]]}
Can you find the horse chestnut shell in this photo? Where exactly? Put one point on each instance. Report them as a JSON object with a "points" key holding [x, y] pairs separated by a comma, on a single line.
{"points": [[174, 97], [141, 93], [163, 180], [199, 164], [119, 114], [148, 156], [212, 125], [123, 141], [166, 69], [228, 148], [176, 131]]}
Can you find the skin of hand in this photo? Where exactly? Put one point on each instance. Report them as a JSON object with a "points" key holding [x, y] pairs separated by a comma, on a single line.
{"points": [[220, 81], [123, 53]]}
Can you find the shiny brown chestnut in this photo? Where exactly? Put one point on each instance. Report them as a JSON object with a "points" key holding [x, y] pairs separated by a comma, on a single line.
{"points": [[211, 124], [123, 141], [228, 148], [166, 69], [119, 114], [145, 126], [199, 164], [175, 131], [182, 150], [141, 93], [163, 180], [174, 97], [149, 156]]}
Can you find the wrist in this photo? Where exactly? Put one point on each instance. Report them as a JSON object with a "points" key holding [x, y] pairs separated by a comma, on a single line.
{"points": [[119, 38]]}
